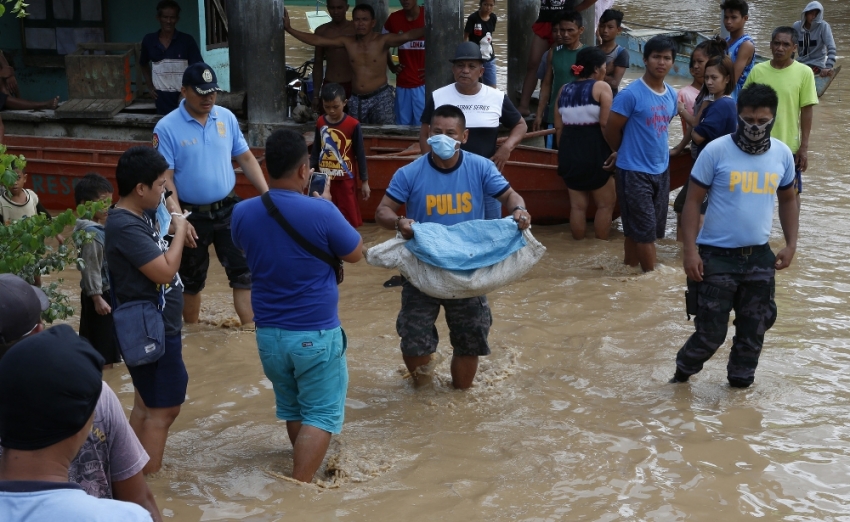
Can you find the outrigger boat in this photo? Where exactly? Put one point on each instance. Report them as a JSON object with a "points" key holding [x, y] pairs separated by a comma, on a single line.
{"points": [[55, 164], [634, 36]]}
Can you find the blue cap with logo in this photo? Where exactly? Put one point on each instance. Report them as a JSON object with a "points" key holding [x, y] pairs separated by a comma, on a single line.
{"points": [[201, 77]]}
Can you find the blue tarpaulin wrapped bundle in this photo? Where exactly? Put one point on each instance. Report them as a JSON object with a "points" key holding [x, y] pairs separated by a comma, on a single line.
{"points": [[465, 260]]}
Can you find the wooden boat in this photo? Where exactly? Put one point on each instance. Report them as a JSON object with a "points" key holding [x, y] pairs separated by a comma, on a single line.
{"points": [[633, 39], [55, 164]]}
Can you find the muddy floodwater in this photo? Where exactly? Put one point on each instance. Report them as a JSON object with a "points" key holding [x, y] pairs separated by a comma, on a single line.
{"points": [[571, 417]]}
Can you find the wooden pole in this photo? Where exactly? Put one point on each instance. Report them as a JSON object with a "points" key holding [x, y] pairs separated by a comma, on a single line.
{"points": [[521, 16], [236, 49], [443, 32], [263, 53], [382, 11]]}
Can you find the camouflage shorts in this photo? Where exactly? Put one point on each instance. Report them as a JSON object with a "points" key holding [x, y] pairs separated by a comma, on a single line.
{"points": [[469, 323]]}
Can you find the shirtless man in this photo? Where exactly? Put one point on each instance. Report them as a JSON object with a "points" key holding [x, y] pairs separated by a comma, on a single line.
{"points": [[372, 97], [339, 66]]}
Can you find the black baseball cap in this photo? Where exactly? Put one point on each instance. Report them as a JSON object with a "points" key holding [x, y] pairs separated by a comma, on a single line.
{"points": [[467, 51], [201, 77], [21, 305], [50, 383]]}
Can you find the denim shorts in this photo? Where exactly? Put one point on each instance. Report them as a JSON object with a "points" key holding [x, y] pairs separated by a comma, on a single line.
{"points": [[309, 374], [644, 200]]}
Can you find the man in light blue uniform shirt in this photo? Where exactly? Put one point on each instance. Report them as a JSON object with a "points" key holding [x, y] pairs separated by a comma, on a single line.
{"points": [[199, 140], [445, 186], [730, 263]]}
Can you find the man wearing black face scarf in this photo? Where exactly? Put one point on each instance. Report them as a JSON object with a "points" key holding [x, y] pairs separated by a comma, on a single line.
{"points": [[730, 263]]}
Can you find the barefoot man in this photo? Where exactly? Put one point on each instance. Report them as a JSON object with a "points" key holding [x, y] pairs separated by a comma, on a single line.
{"points": [[372, 97], [339, 65]]}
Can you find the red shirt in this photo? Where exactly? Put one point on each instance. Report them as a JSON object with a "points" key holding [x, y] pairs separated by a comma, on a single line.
{"points": [[412, 54]]}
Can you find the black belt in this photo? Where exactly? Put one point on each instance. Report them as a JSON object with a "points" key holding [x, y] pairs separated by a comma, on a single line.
{"points": [[737, 251], [212, 207], [373, 93]]}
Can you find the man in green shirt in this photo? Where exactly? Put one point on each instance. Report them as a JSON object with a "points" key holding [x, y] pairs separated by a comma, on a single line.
{"points": [[794, 83]]}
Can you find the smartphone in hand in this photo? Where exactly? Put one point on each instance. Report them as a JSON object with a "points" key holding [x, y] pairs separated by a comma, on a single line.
{"points": [[318, 181]]}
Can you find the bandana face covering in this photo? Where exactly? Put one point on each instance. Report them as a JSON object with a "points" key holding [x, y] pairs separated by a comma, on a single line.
{"points": [[442, 145], [753, 139]]}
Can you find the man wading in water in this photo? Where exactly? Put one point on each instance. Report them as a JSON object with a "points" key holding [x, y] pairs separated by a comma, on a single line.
{"points": [[372, 97]]}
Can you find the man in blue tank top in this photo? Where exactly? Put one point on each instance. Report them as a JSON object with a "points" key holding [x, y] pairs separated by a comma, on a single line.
{"points": [[742, 48], [730, 263]]}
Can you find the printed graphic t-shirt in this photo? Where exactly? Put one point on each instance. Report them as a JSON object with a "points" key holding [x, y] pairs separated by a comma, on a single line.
{"points": [[742, 191], [434, 195], [476, 28], [484, 112], [348, 138], [131, 242], [644, 147], [411, 54]]}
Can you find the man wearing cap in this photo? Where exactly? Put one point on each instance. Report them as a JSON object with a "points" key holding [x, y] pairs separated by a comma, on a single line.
{"points": [[110, 462], [485, 108], [199, 140], [50, 384]]}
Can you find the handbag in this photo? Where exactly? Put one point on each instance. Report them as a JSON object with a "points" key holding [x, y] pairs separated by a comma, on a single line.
{"points": [[334, 262], [139, 329]]}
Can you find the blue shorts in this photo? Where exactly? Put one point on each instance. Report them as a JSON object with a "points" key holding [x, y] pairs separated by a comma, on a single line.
{"points": [[162, 384], [309, 374], [409, 104], [489, 77]]}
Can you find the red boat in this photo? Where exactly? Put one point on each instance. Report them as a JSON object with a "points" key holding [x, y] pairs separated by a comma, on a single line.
{"points": [[54, 165]]}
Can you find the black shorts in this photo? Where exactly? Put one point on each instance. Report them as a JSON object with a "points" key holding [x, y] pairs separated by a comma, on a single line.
{"points": [[643, 202], [98, 329], [213, 228], [162, 384], [469, 323]]}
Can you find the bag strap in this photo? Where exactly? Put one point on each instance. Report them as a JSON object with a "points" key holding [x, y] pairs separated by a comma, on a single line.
{"points": [[274, 212]]}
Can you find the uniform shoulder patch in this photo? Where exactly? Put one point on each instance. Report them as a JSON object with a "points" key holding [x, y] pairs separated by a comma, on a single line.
{"points": [[155, 141]]}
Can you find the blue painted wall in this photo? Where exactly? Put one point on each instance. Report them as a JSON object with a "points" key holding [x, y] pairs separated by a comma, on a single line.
{"points": [[127, 21]]}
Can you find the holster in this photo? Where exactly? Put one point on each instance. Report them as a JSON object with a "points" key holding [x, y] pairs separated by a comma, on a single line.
{"points": [[691, 303]]}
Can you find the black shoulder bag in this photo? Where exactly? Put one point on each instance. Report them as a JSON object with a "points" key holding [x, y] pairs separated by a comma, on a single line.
{"points": [[333, 261]]}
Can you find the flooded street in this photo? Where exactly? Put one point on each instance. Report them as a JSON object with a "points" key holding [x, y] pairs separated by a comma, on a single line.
{"points": [[571, 417]]}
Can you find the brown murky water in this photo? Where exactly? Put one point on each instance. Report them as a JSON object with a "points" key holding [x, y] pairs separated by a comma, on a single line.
{"points": [[571, 418]]}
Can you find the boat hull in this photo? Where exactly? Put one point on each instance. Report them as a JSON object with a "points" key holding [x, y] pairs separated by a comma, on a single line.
{"points": [[55, 164]]}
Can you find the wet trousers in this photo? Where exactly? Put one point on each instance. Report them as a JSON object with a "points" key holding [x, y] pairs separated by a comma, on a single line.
{"points": [[739, 279]]}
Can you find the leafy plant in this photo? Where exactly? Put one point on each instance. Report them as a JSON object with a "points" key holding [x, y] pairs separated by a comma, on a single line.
{"points": [[22, 243], [18, 8]]}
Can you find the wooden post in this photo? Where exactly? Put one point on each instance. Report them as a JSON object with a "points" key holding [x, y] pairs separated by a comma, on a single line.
{"points": [[521, 16], [260, 24], [588, 18], [382, 11], [236, 47], [443, 32]]}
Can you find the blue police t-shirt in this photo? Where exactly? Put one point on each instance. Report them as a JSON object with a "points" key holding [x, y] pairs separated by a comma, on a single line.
{"points": [[446, 196], [291, 288], [644, 147], [201, 156], [743, 191]]}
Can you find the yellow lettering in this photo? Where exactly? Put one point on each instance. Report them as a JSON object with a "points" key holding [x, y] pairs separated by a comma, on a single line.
{"points": [[755, 183], [774, 183], [747, 182], [466, 203], [734, 179], [430, 203], [441, 204]]}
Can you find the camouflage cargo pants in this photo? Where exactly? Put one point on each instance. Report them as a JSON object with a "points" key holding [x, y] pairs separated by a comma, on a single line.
{"points": [[746, 284], [469, 322]]}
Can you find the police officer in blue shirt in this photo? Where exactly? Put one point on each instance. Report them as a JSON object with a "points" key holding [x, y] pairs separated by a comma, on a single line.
{"points": [[199, 141], [165, 55]]}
